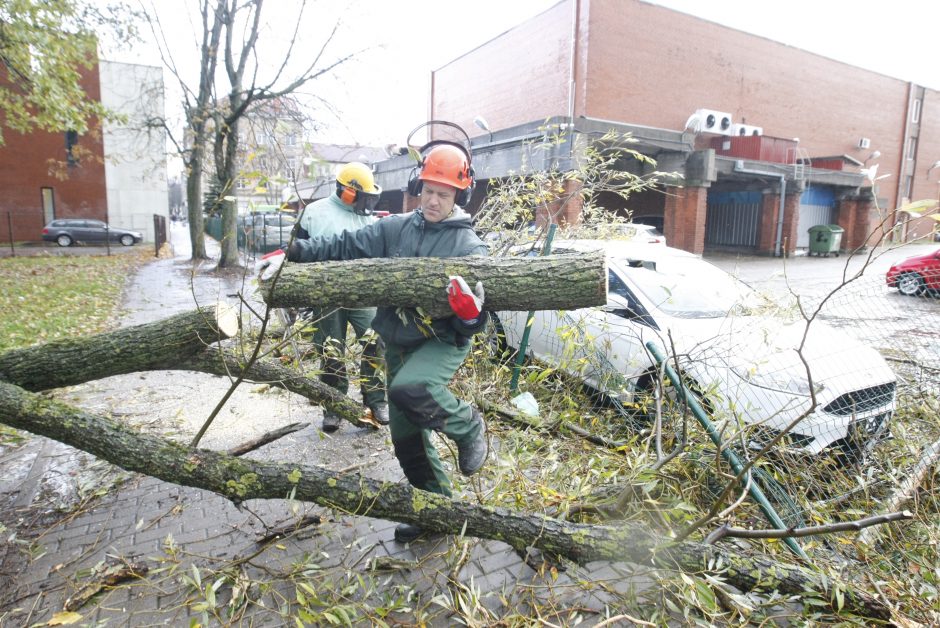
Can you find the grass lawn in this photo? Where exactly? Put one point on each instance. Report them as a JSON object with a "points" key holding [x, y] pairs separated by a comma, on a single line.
{"points": [[48, 297]]}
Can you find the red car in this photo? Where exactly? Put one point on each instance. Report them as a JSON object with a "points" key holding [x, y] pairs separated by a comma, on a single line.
{"points": [[916, 275]]}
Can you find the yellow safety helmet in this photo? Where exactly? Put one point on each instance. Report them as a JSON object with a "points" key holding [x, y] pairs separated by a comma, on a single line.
{"points": [[356, 186]]}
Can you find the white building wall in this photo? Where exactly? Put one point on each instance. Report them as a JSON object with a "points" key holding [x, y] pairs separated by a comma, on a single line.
{"points": [[135, 155]]}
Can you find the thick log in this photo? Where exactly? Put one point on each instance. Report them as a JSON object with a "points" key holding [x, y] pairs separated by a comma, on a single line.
{"points": [[178, 343], [239, 479], [152, 346], [555, 282]]}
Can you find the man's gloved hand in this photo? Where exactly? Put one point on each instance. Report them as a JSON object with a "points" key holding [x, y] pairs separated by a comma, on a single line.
{"points": [[465, 304], [269, 264]]}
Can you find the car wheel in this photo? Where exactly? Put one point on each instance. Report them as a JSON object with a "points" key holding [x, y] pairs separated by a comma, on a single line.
{"points": [[910, 284], [64, 240], [127, 240]]}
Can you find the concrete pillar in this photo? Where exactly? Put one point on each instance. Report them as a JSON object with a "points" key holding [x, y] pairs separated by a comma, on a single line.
{"points": [[791, 221], [858, 215], [767, 231], [770, 216], [684, 218]]}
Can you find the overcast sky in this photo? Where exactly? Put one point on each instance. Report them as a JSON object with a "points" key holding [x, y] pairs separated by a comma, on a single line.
{"points": [[381, 95]]}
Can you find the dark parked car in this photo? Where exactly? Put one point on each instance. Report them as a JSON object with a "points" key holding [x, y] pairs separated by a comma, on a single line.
{"points": [[916, 275], [67, 231]]}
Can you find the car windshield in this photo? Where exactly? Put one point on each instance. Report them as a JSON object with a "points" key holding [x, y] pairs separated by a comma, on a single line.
{"points": [[686, 287]]}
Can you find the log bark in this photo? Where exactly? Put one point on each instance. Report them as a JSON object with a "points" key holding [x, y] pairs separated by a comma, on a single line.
{"points": [[153, 346], [182, 342], [555, 282], [240, 479]]}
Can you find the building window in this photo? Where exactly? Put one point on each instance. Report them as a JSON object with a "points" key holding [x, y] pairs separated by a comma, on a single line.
{"points": [[912, 148], [908, 184], [915, 115], [71, 141], [48, 205], [291, 139]]}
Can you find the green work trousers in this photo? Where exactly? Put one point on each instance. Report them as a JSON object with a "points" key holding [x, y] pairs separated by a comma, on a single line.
{"points": [[330, 340], [419, 401]]}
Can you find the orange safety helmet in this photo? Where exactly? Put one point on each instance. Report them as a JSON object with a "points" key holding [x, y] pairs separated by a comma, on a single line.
{"points": [[446, 164]]}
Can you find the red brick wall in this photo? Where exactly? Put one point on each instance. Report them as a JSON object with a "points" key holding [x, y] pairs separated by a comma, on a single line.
{"points": [[24, 171], [655, 66], [520, 76], [684, 219], [645, 64]]}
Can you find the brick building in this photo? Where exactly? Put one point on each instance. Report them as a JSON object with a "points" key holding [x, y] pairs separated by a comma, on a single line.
{"points": [[799, 127], [45, 176], [114, 172]]}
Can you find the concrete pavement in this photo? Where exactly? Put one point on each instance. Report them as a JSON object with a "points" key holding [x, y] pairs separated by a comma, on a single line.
{"points": [[61, 531]]}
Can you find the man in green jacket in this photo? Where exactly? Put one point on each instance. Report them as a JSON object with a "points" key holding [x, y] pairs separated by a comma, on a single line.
{"points": [[348, 209], [422, 356]]}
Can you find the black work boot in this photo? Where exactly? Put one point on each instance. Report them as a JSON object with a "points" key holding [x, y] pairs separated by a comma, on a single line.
{"points": [[406, 533], [331, 422], [380, 413], [471, 453]]}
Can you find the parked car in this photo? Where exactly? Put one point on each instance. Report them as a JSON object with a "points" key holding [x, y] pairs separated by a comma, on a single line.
{"points": [[630, 231], [729, 343], [915, 275], [645, 234], [268, 230], [67, 231]]}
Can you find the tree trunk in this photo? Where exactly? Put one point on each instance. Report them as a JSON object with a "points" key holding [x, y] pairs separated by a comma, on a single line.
{"points": [[239, 480], [181, 342], [160, 345], [555, 282], [197, 227]]}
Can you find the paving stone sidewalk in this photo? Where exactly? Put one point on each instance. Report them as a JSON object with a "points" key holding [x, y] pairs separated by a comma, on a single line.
{"points": [[180, 533]]}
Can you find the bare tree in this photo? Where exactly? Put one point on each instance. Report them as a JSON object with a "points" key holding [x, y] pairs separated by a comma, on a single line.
{"points": [[197, 106], [230, 34], [241, 23]]}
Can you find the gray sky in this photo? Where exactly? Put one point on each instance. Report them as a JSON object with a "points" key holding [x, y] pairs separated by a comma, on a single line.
{"points": [[381, 95]]}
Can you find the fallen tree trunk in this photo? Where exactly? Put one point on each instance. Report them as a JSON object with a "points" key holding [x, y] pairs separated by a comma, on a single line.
{"points": [[554, 282], [240, 479], [181, 342], [153, 346]]}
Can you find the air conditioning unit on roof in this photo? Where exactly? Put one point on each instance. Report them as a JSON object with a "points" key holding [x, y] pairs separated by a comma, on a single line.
{"points": [[710, 121], [746, 129]]}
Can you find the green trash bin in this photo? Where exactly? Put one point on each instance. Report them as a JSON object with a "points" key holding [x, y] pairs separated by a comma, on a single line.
{"points": [[825, 239]]}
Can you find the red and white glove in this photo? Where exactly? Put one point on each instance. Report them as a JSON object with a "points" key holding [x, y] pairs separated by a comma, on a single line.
{"points": [[269, 264], [465, 304]]}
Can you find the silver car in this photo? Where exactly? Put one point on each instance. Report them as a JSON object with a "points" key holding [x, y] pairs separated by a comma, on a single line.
{"points": [[734, 346], [67, 231]]}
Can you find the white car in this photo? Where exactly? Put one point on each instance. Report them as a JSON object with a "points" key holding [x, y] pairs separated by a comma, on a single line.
{"points": [[728, 340]]}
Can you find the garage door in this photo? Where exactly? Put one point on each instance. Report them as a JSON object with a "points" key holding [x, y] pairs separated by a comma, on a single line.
{"points": [[733, 219], [817, 207]]}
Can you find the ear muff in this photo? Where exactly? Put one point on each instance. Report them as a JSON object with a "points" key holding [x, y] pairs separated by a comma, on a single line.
{"points": [[414, 183], [463, 196], [346, 193]]}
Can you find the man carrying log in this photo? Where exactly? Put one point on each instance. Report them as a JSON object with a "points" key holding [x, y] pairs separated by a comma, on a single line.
{"points": [[422, 354], [349, 209]]}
